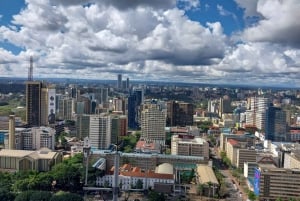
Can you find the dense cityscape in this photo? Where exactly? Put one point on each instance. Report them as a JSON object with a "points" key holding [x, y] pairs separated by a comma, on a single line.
{"points": [[149, 100], [125, 140]]}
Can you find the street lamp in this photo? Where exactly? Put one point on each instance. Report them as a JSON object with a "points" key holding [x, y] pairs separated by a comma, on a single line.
{"points": [[86, 153]]}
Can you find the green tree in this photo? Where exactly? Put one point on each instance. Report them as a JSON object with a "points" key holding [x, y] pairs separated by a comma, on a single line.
{"points": [[251, 195], [139, 184], [24, 196], [63, 196], [154, 196], [40, 196], [6, 195]]}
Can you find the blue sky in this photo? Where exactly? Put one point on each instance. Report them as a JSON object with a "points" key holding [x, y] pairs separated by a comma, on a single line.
{"points": [[206, 41]]}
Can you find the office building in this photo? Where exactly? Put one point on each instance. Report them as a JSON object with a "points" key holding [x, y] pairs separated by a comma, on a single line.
{"points": [[179, 113], [189, 145], [134, 102], [274, 183], [118, 127], [36, 138], [225, 106], [100, 131], [66, 108], [33, 103], [275, 127], [153, 123], [119, 84], [82, 126], [48, 105], [256, 115]]}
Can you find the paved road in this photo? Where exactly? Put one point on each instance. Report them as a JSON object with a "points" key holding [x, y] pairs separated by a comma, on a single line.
{"points": [[240, 195]]}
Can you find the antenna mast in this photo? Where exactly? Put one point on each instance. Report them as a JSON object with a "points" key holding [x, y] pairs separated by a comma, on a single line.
{"points": [[30, 72]]}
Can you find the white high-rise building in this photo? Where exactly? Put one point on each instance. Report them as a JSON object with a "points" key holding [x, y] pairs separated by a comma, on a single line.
{"points": [[36, 138], [257, 113], [153, 122], [100, 131]]}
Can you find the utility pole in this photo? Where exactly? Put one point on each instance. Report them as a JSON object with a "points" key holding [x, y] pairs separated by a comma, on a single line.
{"points": [[115, 186]]}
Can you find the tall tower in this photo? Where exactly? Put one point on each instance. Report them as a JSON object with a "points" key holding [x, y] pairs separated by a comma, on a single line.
{"points": [[119, 86], [100, 131], [30, 71], [153, 122], [33, 103], [11, 138], [275, 125]]}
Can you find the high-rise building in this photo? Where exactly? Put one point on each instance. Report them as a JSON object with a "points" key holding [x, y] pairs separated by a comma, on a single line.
{"points": [[275, 126], [37, 137], [179, 113], [134, 102], [225, 106], [82, 126], [33, 103], [256, 115], [118, 127], [65, 108], [119, 84], [48, 105], [100, 131], [153, 122]]}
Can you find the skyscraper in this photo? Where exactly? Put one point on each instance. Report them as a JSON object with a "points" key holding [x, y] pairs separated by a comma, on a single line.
{"points": [[33, 103], [119, 84], [134, 102], [256, 115], [100, 131], [153, 123], [179, 113], [275, 126]]}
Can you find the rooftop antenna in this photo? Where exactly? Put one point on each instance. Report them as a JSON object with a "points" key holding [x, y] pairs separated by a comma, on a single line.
{"points": [[30, 72]]}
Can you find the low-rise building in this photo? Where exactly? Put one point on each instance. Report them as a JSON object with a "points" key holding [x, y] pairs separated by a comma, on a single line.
{"points": [[23, 160], [277, 183], [189, 145], [206, 177], [130, 176]]}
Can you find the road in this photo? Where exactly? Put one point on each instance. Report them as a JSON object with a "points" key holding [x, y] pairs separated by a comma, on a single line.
{"points": [[236, 191]]}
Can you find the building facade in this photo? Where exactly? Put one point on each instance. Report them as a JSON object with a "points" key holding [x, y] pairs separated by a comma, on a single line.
{"points": [[153, 123], [188, 145], [100, 131]]}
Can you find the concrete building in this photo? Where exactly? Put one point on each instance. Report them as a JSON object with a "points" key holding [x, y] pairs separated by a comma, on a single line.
{"points": [[33, 103], [23, 160], [188, 145], [82, 126], [277, 183], [292, 160], [130, 175], [66, 108], [35, 138], [179, 113], [275, 126], [205, 176], [153, 123], [100, 131], [118, 127], [256, 115]]}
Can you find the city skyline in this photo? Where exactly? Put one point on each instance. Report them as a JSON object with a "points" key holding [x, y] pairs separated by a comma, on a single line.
{"points": [[214, 42]]}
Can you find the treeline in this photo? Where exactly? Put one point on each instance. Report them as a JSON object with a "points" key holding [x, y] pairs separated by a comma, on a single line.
{"points": [[64, 181]]}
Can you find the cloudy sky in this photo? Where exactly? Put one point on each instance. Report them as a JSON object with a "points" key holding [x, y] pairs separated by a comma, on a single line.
{"points": [[199, 41]]}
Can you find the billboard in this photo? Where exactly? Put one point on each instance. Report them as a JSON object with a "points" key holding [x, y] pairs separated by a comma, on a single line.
{"points": [[256, 181], [51, 106]]}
